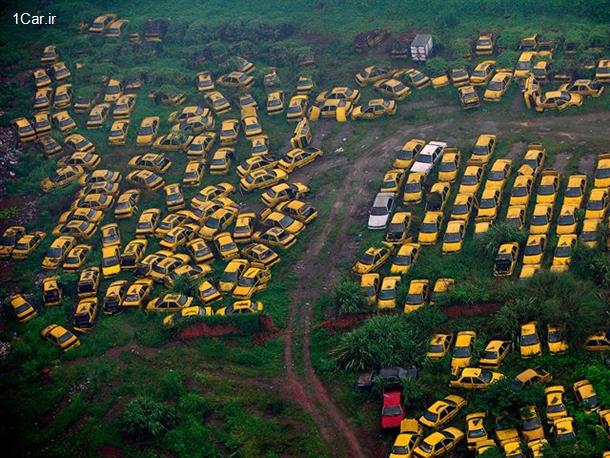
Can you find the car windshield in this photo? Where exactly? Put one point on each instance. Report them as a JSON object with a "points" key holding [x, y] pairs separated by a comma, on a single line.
{"points": [[431, 417], [367, 259], [212, 223], [489, 354], [387, 294], [523, 65], [485, 376], [413, 187], [424, 158], [460, 209], [476, 433], [462, 352], [539, 220], [530, 339], [595, 205], [405, 154], [428, 228], [402, 260], [452, 237], [436, 349], [555, 408], [286, 221], [576, 191], [470, 180], [488, 203], [546, 190], [392, 411], [531, 250], [110, 261], [519, 191], [133, 297], [396, 229], [379, 211], [22, 308], [590, 402], [447, 166], [495, 86], [531, 423], [426, 447], [563, 251], [400, 450], [85, 287], [566, 220], [496, 176], [566, 436], [414, 299], [54, 252], [589, 236]]}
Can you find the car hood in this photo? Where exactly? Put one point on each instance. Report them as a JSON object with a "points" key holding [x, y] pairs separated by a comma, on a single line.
{"points": [[421, 167], [378, 221]]}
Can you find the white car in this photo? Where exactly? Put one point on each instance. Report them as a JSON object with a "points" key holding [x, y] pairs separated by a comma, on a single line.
{"points": [[428, 156], [382, 210]]}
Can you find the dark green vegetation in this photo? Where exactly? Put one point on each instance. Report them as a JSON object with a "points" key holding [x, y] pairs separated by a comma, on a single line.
{"points": [[134, 387]]}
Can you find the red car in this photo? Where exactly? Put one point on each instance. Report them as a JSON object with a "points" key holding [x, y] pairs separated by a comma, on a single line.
{"points": [[392, 412]]}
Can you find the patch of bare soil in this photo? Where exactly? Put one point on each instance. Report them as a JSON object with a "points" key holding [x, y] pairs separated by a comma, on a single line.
{"points": [[203, 330], [343, 322], [108, 451], [587, 163], [461, 310], [561, 161], [516, 151]]}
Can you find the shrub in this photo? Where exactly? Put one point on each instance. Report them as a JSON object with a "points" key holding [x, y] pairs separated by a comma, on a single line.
{"points": [[499, 234], [146, 418], [172, 385], [436, 66], [388, 341], [348, 297]]}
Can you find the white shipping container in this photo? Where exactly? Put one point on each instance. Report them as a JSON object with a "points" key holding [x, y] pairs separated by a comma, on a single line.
{"points": [[421, 47]]}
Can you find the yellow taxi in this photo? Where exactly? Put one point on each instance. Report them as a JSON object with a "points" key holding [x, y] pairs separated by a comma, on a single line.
{"points": [[406, 155], [439, 346], [386, 299], [405, 258], [562, 257], [60, 337], [529, 340], [482, 73], [418, 295], [449, 166], [497, 86], [24, 311], [453, 239], [430, 228]]}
